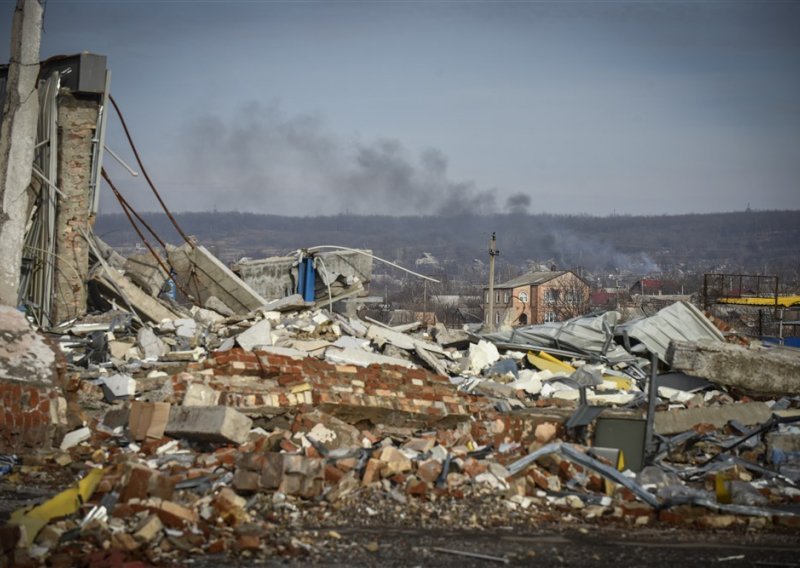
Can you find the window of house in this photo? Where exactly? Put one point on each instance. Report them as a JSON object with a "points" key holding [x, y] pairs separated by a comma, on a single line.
{"points": [[506, 296], [550, 296], [497, 318], [497, 297], [523, 297], [487, 298], [549, 317]]}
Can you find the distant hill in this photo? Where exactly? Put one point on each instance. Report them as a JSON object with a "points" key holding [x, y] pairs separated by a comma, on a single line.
{"points": [[752, 241]]}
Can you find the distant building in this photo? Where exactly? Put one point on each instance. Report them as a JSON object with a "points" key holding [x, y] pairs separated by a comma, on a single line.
{"points": [[538, 297], [654, 287], [608, 298]]}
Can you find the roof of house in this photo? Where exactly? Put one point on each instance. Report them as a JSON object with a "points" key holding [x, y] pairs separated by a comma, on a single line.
{"points": [[532, 278]]}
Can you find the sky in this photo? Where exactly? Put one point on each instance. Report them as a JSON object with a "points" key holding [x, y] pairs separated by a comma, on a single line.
{"points": [[307, 108]]}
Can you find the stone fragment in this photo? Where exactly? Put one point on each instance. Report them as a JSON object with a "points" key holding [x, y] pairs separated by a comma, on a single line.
{"points": [[150, 345], [186, 328], [394, 462], [220, 424], [214, 303], [148, 529], [429, 470], [372, 472], [199, 394], [171, 514], [230, 507], [481, 355], [124, 541], [120, 385], [545, 432], [259, 335], [75, 437]]}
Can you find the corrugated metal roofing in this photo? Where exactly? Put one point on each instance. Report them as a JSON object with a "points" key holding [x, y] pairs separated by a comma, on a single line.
{"points": [[681, 321]]}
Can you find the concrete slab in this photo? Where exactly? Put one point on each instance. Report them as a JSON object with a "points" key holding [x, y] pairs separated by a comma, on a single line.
{"points": [[203, 274], [757, 369], [677, 421]]}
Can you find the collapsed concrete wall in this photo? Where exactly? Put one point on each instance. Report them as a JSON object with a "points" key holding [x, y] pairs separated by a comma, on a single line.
{"points": [[276, 277]]}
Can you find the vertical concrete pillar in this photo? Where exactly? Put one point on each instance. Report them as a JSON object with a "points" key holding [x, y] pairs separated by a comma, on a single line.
{"points": [[77, 120], [17, 139]]}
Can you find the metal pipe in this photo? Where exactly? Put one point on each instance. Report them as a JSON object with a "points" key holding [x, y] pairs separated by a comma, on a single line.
{"points": [[652, 399], [492, 253], [121, 162]]}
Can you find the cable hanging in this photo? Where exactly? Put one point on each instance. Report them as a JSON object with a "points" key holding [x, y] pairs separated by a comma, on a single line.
{"points": [[128, 209], [144, 172]]}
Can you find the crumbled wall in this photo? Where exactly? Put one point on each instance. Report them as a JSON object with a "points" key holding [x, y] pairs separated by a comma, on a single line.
{"points": [[77, 120], [31, 370]]}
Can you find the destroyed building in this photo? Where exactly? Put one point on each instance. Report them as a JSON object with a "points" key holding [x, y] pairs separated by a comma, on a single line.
{"points": [[167, 407]]}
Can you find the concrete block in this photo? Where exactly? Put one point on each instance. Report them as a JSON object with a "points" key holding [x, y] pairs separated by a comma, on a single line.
{"points": [[220, 424], [677, 421], [771, 371]]}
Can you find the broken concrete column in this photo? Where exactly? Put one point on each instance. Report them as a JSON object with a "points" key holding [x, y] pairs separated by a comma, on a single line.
{"points": [[17, 139], [757, 369], [220, 424], [77, 120], [31, 405]]}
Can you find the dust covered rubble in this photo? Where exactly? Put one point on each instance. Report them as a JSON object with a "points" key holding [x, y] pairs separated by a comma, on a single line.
{"points": [[234, 434]]}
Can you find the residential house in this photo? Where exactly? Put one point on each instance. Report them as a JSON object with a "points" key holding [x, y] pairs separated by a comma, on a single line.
{"points": [[655, 287], [538, 297]]}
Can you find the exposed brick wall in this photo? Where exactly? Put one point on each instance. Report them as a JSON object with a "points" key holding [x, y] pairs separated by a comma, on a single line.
{"points": [[392, 393], [25, 417], [77, 119]]}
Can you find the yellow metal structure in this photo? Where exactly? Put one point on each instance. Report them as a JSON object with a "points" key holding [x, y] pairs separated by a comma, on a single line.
{"points": [[783, 301], [546, 362]]}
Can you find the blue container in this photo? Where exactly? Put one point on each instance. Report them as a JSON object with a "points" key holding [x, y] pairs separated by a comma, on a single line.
{"points": [[311, 285]]}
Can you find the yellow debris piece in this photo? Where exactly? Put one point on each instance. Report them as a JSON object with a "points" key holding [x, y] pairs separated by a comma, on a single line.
{"points": [[546, 362], [783, 301], [65, 503]]}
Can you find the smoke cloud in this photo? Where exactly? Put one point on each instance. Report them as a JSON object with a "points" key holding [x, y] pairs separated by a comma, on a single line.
{"points": [[518, 203], [264, 161]]}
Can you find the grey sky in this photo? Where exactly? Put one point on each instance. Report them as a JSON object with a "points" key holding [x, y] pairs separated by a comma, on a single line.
{"points": [[424, 107]]}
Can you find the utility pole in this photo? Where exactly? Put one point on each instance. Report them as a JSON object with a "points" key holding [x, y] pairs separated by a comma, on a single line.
{"points": [[493, 252], [17, 140]]}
